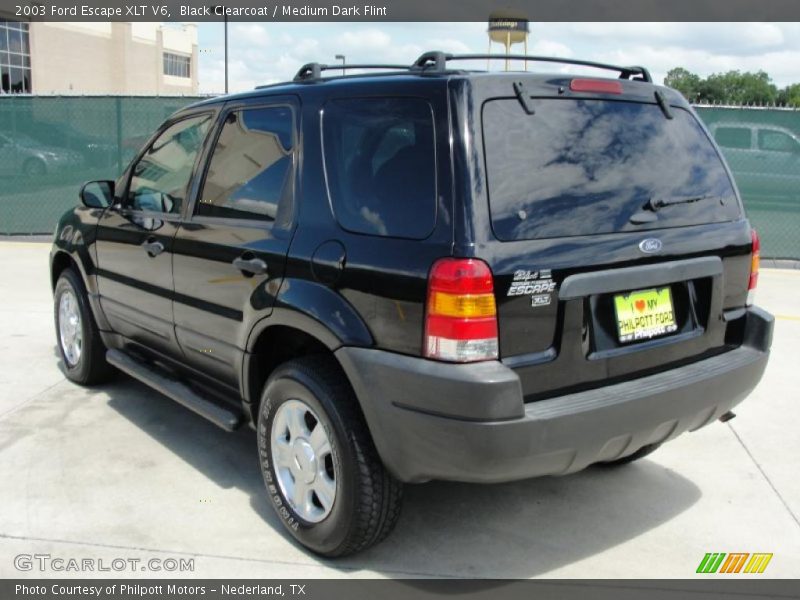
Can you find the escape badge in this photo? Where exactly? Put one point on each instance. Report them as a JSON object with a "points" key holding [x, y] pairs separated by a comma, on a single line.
{"points": [[539, 285]]}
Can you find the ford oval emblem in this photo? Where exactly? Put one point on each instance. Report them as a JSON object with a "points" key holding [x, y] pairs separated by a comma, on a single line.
{"points": [[650, 245]]}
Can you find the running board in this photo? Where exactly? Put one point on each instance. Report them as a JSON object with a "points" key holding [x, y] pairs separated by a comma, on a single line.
{"points": [[223, 417]]}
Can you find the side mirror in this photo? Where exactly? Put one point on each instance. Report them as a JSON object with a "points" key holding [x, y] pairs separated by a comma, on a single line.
{"points": [[98, 194]]}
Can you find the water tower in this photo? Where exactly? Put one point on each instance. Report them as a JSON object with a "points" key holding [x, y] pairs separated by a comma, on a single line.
{"points": [[508, 27]]}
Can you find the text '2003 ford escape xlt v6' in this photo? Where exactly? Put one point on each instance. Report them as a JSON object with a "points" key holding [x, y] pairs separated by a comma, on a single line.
{"points": [[423, 273]]}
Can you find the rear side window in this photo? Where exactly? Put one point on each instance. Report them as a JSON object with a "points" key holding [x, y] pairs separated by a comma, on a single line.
{"points": [[250, 172], [380, 164], [733, 137], [580, 167]]}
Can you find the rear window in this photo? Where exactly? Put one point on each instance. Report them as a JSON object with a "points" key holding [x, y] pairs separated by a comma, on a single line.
{"points": [[580, 167], [380, 165]]}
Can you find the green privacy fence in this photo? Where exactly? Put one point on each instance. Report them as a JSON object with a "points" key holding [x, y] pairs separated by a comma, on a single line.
{"points": [[50, 145], [762, 147]]}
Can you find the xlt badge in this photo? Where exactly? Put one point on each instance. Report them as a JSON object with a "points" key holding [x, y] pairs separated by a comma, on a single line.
{"points": [[539, 285]]}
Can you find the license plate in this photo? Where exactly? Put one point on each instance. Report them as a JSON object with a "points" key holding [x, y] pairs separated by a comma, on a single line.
{"points": [[644, 314]]}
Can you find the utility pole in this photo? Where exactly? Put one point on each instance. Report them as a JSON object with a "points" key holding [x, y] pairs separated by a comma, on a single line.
{"points": [[225, 21]]}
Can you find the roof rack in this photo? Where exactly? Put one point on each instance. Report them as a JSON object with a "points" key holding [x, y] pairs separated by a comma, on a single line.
{"points": [[313, 71], [437, 62]]}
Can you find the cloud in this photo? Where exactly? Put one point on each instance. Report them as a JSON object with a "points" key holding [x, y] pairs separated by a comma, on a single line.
{"points": [[252, 34], [719, 37], [271, 52], [780, 65], [550, 48], [368, 39], [451, 45]]}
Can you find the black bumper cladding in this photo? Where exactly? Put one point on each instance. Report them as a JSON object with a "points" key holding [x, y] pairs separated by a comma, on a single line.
{"points": [[444, 421]]}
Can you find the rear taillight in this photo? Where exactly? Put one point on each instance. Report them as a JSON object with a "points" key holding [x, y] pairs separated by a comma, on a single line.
{"points": [[754, 264], [460, 317]]}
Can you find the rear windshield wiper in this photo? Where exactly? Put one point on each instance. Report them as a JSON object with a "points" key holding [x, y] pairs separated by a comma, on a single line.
{"points": [[655, 203], [647, 214]]}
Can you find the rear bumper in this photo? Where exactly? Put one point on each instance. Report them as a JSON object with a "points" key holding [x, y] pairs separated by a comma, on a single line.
{"points": [[445, 421]]}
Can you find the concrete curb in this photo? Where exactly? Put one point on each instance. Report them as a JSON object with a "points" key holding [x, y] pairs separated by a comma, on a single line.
{"points": [[780, 263], [40, 238]]}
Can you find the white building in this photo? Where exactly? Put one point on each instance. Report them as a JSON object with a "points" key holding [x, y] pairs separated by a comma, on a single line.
{"points": [[98, 58]]}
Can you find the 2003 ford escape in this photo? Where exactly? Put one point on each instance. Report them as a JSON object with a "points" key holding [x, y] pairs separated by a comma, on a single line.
{"points": [[423, 273]]}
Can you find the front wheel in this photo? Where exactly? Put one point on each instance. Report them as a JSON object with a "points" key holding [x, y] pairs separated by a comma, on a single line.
{"points": [[82, 351], [322, 472]]}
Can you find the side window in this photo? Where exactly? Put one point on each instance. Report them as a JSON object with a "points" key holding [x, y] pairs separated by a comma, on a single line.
{"points": [[777, 141], [396, 139], [161, 177], [380, 162], [250, 172], [734, 137]]}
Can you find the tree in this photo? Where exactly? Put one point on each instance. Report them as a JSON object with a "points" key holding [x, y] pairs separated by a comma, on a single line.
{"points": [[733, 87], [686, 82], [790, 95]]}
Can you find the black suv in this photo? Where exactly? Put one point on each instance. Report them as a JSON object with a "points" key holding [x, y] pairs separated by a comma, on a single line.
{"points": [[421, 273]]}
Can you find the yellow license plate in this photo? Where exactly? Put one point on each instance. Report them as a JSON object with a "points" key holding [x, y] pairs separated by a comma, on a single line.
{"points": [[644, 314]]}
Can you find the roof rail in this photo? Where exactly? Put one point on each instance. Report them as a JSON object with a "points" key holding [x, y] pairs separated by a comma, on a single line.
{"points": [[313, 71], [437, 62]]}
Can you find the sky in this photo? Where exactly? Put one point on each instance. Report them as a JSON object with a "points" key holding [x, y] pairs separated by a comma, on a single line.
{"points": [[262, 53]]}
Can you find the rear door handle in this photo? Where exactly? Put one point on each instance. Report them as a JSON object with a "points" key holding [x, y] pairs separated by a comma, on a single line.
{"points": [[253, 266], [153, 248]]}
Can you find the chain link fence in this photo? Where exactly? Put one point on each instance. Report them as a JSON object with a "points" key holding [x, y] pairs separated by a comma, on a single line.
{"points": [[49, 146], [762, 147]]}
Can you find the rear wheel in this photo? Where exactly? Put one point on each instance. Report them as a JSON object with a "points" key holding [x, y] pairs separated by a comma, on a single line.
{"points": [[82, 351], [322, 472], [640, 453]]}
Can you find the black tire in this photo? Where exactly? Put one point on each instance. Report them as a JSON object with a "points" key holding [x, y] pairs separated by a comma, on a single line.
{"points": [[34, 167], [640, 453], [368, 498], [91, 368]]}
